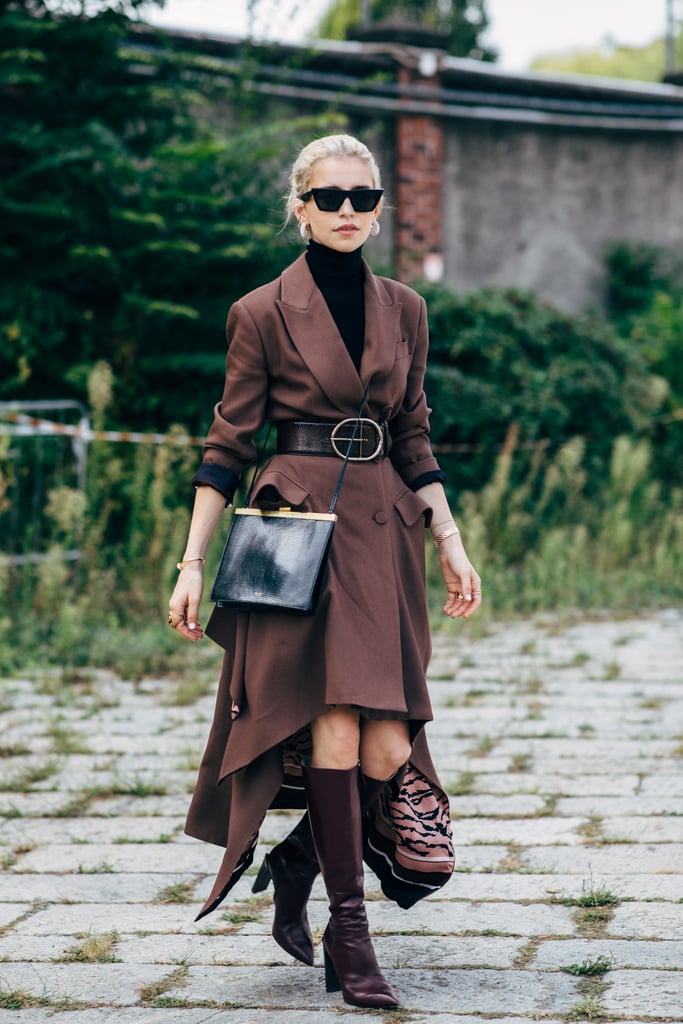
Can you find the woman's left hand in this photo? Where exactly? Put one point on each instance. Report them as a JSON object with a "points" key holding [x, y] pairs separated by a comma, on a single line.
{"points": [[462, 581]]}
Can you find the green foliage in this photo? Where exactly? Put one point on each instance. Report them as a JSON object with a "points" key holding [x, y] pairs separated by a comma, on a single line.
{"points": [[133, 212], [644, 63], [460, 22], [645, 294], [637, 274], [543, 544], [502, 358]]}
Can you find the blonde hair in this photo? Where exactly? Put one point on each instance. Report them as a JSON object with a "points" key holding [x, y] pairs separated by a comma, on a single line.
{"points": [[320, 149]]}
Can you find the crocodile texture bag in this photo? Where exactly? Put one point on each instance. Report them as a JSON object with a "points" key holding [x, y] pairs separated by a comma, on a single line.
{"points": [[274, 561]]}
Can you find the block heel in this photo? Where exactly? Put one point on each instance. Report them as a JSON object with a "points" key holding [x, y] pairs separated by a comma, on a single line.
{"points": [[332, 983], [263, 878]]}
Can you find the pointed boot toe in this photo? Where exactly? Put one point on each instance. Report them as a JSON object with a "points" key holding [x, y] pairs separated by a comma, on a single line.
{"points": [[293, 867]]}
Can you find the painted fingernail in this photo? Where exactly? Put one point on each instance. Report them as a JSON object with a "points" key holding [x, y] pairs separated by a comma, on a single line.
{"points": [[468, 597], [193, 625]]}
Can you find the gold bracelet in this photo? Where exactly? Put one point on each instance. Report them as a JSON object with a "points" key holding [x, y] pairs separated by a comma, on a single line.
{"points": [[441, 537], [181, 565]]}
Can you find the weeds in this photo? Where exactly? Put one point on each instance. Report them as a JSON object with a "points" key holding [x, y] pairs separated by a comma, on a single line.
{"points": [[176, 892], [587, 1009], [23, 780], [20, 999], [591, 829], [484, 746], [94, 949], [187, 691], [13, 750], [463, 785], [520, 763], [66, 741], [527, 953], [103, 867], [151, 994], [590, 968], [592, 896], [593, 908]]}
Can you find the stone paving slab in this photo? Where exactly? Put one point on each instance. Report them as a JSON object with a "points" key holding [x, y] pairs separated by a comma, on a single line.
{"points": [[103, 857], [99, 984], [460, 991], [639, 993], [87, 889], [563, 751], [629, 953]]}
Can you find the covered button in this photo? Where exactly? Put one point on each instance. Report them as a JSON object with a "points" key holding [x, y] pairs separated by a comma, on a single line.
{"points": [[380, 517]]}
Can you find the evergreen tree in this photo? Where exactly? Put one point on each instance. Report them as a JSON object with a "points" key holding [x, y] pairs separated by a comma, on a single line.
{"points": [[139, 195], [461, 22]]}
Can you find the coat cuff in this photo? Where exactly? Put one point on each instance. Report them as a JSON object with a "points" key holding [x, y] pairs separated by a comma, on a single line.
{"points": [[436, 476], [210, 474]]}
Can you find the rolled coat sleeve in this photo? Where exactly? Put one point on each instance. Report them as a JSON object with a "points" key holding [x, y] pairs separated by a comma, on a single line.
{"points": [[229, 445], [411, 452]]}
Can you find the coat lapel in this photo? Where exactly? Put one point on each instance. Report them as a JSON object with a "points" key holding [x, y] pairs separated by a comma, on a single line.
{"points": [[382, 329], [314, 334]]}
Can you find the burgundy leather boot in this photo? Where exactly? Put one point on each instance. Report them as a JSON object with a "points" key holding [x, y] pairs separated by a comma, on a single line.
{"points": [[334, 808], [293, 867]]}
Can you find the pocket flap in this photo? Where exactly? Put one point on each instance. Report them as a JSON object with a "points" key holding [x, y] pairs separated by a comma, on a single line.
{"points": [[273, 489], [410, 507]]}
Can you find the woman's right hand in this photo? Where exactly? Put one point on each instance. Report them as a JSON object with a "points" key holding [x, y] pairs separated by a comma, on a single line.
{"points": [[185, 601]]}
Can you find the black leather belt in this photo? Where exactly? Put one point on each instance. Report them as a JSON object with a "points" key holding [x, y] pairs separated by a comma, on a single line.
{"points": [[301, 437]]}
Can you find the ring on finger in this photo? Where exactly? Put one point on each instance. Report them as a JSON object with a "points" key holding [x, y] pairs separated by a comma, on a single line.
{"points": [[174, 619]]}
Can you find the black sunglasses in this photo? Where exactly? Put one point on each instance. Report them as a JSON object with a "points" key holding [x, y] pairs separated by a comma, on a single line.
{"points": [[329, 200]]}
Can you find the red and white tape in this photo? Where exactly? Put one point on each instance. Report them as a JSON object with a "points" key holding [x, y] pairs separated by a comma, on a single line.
{"points": [[32, 425]]}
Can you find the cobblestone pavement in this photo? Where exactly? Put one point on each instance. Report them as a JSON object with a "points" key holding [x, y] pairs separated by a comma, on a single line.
{"points": [[562, 748]]}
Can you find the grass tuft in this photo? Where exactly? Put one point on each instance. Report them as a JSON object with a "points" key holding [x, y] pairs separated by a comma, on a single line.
{"points": [[176, 892], [94, 949], [151, 993], [590, 968]]}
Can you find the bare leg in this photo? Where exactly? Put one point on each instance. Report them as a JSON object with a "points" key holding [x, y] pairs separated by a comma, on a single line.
{"points": [[384, 747]]}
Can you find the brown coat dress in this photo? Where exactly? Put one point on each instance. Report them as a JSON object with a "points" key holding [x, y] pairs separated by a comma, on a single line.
{"points": [[368, 643]]}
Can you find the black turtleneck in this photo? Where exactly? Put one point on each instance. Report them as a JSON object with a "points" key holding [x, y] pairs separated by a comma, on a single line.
{"points": [[340, 277]]}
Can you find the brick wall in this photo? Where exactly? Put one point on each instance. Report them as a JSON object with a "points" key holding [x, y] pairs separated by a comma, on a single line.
{"points": [[419, 191]]}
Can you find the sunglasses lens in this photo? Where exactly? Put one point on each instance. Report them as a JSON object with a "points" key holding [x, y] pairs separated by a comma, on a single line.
{"points": [[364, 200], [328, 199]]}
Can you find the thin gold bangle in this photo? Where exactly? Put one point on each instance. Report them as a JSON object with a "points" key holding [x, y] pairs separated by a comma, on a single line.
{"points": [[181, 565]]}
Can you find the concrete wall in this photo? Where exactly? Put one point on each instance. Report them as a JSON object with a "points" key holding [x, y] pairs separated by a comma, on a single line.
{"points": [[536, 208], [529, 178]]}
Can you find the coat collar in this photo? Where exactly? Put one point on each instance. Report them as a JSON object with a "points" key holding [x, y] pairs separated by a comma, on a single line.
{"points": [[315, 336]]}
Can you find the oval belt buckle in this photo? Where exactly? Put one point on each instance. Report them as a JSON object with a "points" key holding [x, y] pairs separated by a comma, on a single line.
{"points": [[358, 439]]}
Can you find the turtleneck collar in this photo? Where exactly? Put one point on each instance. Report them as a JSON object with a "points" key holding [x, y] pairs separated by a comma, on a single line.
{"points": [[324, 261]]}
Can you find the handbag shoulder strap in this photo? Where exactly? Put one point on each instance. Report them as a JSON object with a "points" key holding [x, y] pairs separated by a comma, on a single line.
{"points": [[335, 496]]}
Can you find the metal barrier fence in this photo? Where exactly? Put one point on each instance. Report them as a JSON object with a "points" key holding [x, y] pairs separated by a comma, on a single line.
{"points": [[44, 453]]}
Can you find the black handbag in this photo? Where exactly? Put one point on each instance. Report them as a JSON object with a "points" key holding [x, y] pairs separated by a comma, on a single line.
{"points": [[277, 560]]}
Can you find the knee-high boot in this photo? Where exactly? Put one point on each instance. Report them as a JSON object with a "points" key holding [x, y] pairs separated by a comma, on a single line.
{"points": [[293, 867], [336, 821]]}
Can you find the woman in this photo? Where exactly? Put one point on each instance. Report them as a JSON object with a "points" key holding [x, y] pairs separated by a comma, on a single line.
{"points": [[339, 698]]}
